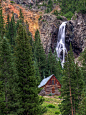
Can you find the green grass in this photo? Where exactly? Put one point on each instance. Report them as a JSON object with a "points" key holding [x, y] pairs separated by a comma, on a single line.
{"points": [[54, 101]]}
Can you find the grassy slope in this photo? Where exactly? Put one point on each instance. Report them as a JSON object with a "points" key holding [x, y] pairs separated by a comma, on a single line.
{"points": [[54, 100]]}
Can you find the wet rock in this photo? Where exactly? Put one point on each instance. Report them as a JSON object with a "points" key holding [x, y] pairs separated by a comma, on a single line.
{"points": [[49, 26], [76, 33]]}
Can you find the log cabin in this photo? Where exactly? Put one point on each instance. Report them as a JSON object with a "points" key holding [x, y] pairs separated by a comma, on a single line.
{"points": [[50, 85]]}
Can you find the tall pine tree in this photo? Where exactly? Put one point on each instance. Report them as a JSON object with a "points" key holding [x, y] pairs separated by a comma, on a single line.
{"points": [[82, 105], [30, 104], [53, 65], [2, 30], [72, 85], [39, 54], [12, 32], [8, 80]]}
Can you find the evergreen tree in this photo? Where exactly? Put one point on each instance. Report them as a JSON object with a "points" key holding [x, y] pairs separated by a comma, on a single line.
{"points": [[82, 105], [53, 65], [7, 27], [84, 65], [1, 23], [30, 104], [8, 80], [68, 7], [39, 54], [72, 85], [37, 74], [11, 32], [21, 17]]}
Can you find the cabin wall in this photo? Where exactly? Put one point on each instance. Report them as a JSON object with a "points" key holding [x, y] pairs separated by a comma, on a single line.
{"points": [[51, 87]]}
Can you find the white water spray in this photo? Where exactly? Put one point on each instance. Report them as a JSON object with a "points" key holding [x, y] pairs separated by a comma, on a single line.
{"points": [[60, 48]]}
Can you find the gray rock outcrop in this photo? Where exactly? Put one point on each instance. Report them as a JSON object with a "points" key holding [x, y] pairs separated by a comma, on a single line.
{"points": [[24, 2], [76, 33], [49, 26]]}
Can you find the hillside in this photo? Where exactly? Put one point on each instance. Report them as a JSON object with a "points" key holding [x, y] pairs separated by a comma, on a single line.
{"points": [[48, 22], [29, 16]]}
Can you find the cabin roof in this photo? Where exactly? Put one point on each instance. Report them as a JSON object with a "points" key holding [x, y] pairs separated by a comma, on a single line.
{"points": [[44, 81]]}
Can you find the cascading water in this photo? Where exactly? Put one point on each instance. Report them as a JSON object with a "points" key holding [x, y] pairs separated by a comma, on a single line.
{"points": [[60, 48]]}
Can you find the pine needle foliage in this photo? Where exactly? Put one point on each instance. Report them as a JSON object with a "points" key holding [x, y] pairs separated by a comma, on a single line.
{"points": [[72, 85], [82, 104], [8, 80], [2, 30], [30, 104], [53, 65], [10, 31], [84, 65], [21, 17], [39, 54]]}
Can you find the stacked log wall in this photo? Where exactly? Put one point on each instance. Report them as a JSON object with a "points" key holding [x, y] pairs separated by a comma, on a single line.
{"points": [[48, 88]]}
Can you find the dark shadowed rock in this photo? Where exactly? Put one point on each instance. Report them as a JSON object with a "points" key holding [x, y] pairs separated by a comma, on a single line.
{"points": [[49, 26], [76, 33], [24, 2]]}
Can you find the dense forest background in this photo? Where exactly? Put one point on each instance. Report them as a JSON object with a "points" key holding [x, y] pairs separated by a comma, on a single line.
{"points": [[68, 7], [23, 64]]}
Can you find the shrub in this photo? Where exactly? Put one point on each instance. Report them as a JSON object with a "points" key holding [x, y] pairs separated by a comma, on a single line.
{"points": [[56, 12], [40, 12], [51, 106], [39, 7], [50, 94], [60, 97], [57, 112], [12, 2], [59, 18], [43, 20], [68, 15], [40, 18], [82, 10]]}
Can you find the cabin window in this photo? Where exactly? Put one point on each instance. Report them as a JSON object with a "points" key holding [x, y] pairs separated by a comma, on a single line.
{"points": [[52, 82]]}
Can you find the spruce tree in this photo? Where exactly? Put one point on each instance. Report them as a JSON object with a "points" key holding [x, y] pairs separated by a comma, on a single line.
{"points": [[72, 85], [37, 74], [82, 104], [53, 65], [12, 32], [21, 17], [39, 54], [30, 104], [8, 78], [84, 65], [2, 30], [7, 27]]}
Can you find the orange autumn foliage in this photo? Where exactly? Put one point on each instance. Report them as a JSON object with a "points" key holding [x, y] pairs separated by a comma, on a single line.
{"points": [[29, 16]]}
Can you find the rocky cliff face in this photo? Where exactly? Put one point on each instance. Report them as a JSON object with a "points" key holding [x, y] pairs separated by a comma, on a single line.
{"points": [[48, 25], [24, 2], [76, 33]]}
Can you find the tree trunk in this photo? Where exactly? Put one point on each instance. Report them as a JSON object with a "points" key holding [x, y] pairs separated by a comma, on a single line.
{"points": [[71, 99]]}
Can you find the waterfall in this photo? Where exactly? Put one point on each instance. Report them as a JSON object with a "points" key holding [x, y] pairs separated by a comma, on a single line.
{"points": [[60, 48]]}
